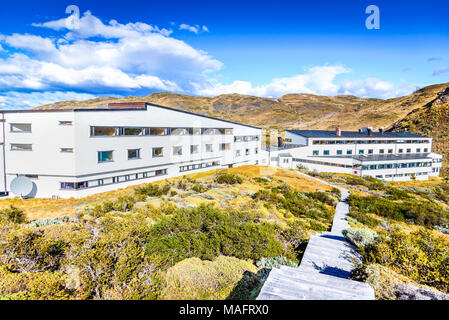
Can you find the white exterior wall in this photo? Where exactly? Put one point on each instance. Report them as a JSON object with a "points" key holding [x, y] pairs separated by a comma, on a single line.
{"points": [[53, 167]]}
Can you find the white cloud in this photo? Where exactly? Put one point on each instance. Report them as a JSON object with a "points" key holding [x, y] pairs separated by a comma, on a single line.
{"points": [[195, 29], [20, 100]]}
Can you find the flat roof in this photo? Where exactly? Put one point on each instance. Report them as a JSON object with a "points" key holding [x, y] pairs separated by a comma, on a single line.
{"points": [[353, 134], [125, 109]]}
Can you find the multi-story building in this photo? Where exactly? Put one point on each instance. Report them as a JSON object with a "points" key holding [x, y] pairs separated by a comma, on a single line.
{"points": [[393, 156], [75, 153]]}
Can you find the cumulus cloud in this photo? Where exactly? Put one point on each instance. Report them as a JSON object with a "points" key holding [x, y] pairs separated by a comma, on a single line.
{"points": [[195, 29], [439, 71]]}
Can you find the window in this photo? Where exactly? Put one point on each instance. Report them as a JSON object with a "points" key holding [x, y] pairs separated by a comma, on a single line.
{"points": [[409, 150], [361, 151], [256, 151], [67, 185], [179, 131], [158, 132], [400, 150], [194, 149], [390, 150], [133, 154], [161, 172], [370, 151], [67, 150], [195, 131], [65, 123], [247, 152], [339, 152], [104, 156], [209, 148], [177, 151], [285, 160], [381, 151], [21, 147], [221, 131], [21, 127], [418, 150], [316, 152], [426, 150], [348, 151], [326, 152], [238, 153], [133, 131], [225, 146], [157, 152], [229, 131], [208, 131], [103, 131]]}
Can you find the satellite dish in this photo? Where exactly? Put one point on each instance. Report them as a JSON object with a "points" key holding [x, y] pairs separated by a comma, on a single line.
{"points": [[22, 186]]}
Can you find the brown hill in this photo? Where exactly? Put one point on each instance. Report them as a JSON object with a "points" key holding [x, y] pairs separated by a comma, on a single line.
{"points": [[431, 120], [306, 111]]}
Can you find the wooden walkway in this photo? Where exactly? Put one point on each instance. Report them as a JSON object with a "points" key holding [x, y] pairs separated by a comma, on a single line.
{"points": [[324, 270]]}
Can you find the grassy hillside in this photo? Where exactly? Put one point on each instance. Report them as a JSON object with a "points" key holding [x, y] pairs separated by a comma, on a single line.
{"points": [[431, 120], [204, 236]]}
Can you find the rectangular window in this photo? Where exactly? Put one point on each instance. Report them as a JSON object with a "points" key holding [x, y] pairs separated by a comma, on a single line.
{"points": [[361, 151], [177, 151], [409, 150], [209, 148], [221, 131], [133, 131], [133, 154], [247, 152], [339, 152], [179, 131], [229, 131], [194, 149], [316, 152], [348, 151], [21, 147], [104, 156], [381, 151], [103, 131], [400, 150], [225, 146], [390, 151], [67, 150], [67, 185], [161, 172], [256, 151], [370, 151], [326, 152], [195, 131], [426, 150], [208, 131], [418, 150], [65, 123], [21, 127], [158, 131], [158, 152]]}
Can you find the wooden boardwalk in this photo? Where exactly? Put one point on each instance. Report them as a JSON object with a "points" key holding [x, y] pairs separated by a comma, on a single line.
{"points": [[324, 270]]}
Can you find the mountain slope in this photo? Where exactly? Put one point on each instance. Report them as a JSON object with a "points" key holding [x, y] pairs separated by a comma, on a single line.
{"points": [[305, 111], [430, 120]]}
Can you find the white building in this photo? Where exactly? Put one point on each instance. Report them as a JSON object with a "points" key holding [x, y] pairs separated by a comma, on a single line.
{"points": [[393, 156], [75, 153]]}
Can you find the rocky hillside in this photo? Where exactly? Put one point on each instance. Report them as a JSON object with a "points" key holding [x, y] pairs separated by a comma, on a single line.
{"points": [[304, 111], [430, 120]]}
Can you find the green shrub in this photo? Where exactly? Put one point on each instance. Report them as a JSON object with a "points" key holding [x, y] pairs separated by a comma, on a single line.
{"points": [[360, 237], [199, 188], [13, 214], [152, 190], [206, 232], [420, 256], [52, 221], [228, 178]]}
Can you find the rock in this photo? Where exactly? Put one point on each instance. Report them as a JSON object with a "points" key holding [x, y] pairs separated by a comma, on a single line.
{"points": [[412, 292], [250, 193]]}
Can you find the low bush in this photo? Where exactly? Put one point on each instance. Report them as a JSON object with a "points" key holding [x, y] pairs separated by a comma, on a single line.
{"points": [[206, 232], [270, 263], [228, 178], [194, 278], [420, 256], [360, 237], [13, 214], [152, 190]]}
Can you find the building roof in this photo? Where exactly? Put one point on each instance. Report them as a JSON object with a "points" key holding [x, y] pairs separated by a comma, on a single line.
{"points": [[134, 106], [353, 134]]}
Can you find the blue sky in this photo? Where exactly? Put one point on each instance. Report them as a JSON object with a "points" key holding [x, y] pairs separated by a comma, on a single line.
{"points": [[264, 48]]}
